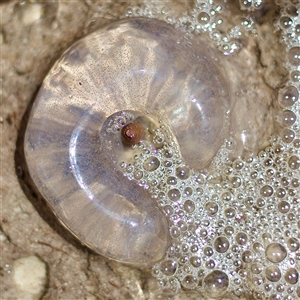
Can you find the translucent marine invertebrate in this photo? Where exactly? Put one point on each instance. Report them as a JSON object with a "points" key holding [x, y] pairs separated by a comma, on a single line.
{"points": [[224, 233], [142, 65]]}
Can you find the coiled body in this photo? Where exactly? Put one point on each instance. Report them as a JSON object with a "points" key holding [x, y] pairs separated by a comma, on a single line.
{"points": [[141, 65], [119, 132]]}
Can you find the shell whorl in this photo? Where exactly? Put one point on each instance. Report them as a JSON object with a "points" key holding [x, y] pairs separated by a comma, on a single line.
{"points": [[138, 65]]}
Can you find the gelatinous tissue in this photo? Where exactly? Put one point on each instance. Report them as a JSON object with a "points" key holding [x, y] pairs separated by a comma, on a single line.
{"points": [[118, 139]]}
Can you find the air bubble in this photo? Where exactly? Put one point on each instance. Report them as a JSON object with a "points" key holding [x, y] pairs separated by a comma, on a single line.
{"points": [[238, 164], [203, 18], [221, 244], [247, 256], [235, 181], [241, 238], [175, 232], [280, 289], [294, 162], [235, 248], [168, 153], [295, 75], [216, 283], [183, 172], [174, 194], [168, 210], [171, 180], [273, 273], [226, 196], [229, 230], [151, 163], [292, 10], [297, 143], [288, 96], [138, 175], [294, 56], [270, 172], [254, 175], [237, 263], [285, 22], [288, 135], [245, 3], [293, 244], [285, 181], [199, 179], [295, 182], [184, 259], [195, 261], [278, 149], [256, 268], [203, 232], [266, 191], [168, 267], [288, 118], [268, 287], [188, 191], [205, 223], [210, 264], [292, 192], [280, 193], [221, 223], [249, 201], [268, 162], [258, 247], [129, 169], [161, 195], [275, 252], [189, 206], [229, 213], [291, 276], [208, 251], [199, 191], [266, 237], [248, 23], [211, 208], [185, 247], [154, 182], [257, 281], [278, 161], [189, 282], [167, 163], [182, 225], [260, 202], [258, 3]]}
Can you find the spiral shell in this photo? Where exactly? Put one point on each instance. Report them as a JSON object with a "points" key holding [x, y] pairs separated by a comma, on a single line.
{"points": [[142, 66]]}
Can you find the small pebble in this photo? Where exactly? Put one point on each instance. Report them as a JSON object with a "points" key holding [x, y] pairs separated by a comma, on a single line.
{"points": [[29, 274]]}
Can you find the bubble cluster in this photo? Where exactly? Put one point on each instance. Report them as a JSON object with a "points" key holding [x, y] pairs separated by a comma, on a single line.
{"points": [[205, 17], [237, 233], [235, 229]]}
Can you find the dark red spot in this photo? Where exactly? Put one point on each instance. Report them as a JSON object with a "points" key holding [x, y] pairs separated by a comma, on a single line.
{"points": [[132, 133]]}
